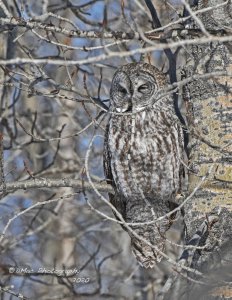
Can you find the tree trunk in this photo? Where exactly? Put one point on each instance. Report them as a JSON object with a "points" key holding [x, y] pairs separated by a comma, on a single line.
{"points": [[209, 114]]}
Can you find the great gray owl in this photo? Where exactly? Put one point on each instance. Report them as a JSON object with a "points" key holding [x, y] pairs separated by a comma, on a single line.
{"points": [[143, 155]]}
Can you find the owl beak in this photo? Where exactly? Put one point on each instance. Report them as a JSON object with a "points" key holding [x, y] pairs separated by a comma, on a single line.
{"points": [[129, 107]]}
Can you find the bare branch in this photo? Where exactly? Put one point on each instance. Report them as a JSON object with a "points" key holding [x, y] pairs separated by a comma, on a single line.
{"points": [[53, 183]]}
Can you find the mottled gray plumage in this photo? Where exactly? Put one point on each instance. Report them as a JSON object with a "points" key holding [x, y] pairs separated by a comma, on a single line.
{"points": [[143, 153]]}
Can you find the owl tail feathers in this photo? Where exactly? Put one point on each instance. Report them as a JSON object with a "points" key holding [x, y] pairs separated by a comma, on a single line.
{"points": [[146, 256]]}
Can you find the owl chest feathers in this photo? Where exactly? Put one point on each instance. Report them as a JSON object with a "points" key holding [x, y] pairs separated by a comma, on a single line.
{"points": [[145, 154]]}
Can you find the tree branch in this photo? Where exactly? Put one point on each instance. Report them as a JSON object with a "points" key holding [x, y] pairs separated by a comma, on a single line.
{"points": [[54, 183]]}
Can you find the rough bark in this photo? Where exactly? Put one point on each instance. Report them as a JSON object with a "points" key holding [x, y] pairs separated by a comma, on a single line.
{"points": [[209, 113]]}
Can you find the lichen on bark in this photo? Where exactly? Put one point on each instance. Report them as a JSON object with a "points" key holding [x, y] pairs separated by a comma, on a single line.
{"points": [[210, 127]]}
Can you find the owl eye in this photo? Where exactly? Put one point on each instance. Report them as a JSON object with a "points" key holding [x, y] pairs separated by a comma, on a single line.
{"points": [[144, 88], [122, 90]]}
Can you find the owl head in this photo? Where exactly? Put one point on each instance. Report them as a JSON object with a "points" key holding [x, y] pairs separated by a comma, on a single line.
{"points": [[135, 86]]}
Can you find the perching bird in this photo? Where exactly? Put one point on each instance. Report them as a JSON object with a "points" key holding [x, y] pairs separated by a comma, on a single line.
{"points": [[143, 155]]}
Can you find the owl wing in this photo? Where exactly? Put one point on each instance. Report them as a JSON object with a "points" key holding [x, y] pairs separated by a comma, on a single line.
{"points": [[116, 199]]}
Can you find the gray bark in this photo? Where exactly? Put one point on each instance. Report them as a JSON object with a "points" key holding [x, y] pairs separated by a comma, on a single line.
{"points": [[209, 113]]}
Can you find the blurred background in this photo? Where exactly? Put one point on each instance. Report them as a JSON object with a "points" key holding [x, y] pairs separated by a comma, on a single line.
{"points": [[49, 115]]}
